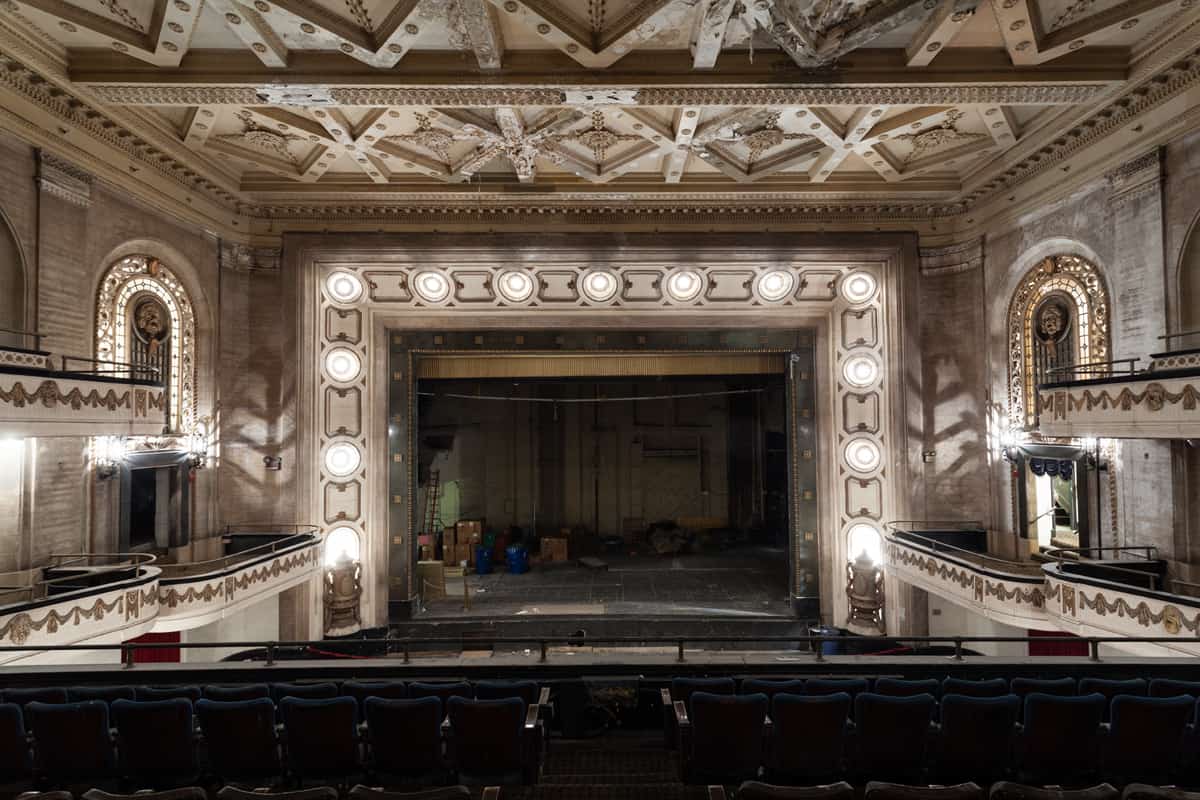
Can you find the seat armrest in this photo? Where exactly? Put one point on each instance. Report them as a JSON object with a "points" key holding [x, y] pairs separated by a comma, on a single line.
{"points": [[531, 717], [666, 696], [683, 738], [716, 793], [491, 793], [669, 727], [544, 696], [681, 717]]}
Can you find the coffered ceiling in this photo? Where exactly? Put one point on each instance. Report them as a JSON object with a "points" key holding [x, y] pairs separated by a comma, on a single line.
{"points": [[872, 98]]}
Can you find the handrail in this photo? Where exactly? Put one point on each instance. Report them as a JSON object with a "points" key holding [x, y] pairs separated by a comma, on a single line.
{"points": [[1180, 581], [133, 369], [1091, 367], [981, 559], [1151, 554], [35, 335], [39, 590], [188, 569], [1178, 335], [967, 524]]}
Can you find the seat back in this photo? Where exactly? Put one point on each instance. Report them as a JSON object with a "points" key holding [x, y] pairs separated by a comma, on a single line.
{"points": [[727, 735], [486, 735], [105, 694], [1146, 738], [404, 735], [892, 735], [1111, 688], [1159, 687], [22, 697], [756, 790], [808, 737], [1008, 790], [1060, 741], [304, 691], [16, 761], [682, 689], [881, 790], [361, 792], [155, 737], [242, 691], [772, 686], [899, 687], [498, 690], [241, 737], [977, 737], [442, 691], [149, 693], [71, 740], [1062, 687], [987, 687], [321, 734], [361, 690], [851, 686]]}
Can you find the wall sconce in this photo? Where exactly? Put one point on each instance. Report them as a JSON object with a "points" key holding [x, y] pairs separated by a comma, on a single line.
{"points": [[274, 463], [108, 452]]}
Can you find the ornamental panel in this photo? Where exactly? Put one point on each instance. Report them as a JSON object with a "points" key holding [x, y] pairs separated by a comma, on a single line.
{"points": [[864, 498], [343, 325], [343, 411], [860, 413], [860, 327]]}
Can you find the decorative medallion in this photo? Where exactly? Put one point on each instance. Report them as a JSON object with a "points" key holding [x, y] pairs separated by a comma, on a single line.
{"points": [[939, 136]]}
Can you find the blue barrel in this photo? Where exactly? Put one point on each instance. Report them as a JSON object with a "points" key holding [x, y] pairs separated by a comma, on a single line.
{"points": [[483, 560], [518, 559]]}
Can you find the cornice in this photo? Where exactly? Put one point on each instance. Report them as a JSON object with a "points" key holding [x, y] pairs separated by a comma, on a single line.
{"points": [[952, 259], [62, 179]]}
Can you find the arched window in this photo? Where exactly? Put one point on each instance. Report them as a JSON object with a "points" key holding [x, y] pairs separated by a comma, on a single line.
{"points": [[144, 316], [1058, 318]]}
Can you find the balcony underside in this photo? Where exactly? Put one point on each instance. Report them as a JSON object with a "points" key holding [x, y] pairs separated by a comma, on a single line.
{"points": [[43, 403]]}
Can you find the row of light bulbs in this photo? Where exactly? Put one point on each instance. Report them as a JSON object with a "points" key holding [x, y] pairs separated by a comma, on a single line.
{"points": [[601, 286]]}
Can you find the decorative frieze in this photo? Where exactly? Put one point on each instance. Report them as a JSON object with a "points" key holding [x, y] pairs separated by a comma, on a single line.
{"points": [[246, 258], [952, 259], [62, 179], [1136, 178]]}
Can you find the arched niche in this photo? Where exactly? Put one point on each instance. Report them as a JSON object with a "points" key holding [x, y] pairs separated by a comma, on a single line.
{"points": [[12, 286], [1189, 287]]}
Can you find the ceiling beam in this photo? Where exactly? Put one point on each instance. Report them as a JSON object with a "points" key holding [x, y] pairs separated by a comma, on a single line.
{"points": [[483, 31], [709, 37], [1028, 43], [254, 32], [938, 30]]}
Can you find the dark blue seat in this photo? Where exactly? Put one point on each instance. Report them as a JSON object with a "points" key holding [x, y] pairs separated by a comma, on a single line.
{"points": [[772, 686], [404, 737], [241, 691], [727, 737], [1145, 742], [371, 793], [321, 737], [156, 742], [498, 690], [361, 690], [489, 742], [149, 693], [682, 689], [1060, 742], [241, 740], [16, 761], [900, 687], [72, 742], [757, 790], [442, 691], [1062, 687], [304, 691], [851, 686], [976, 739], [892, 735], [808, 738], [986, 687], [882, 790], [1007, 790], [106, 694], [1159, 687], [23, 697], [1111, 688]]}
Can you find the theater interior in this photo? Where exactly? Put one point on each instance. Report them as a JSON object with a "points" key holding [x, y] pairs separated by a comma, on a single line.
{"points": [[600, 399]]}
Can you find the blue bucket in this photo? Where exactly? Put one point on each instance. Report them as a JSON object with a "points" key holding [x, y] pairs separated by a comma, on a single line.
{"points": [[518, 559], [483, 560]]}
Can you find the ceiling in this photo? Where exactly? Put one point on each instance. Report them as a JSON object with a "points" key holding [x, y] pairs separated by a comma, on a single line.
{"points": [[872, 98]]}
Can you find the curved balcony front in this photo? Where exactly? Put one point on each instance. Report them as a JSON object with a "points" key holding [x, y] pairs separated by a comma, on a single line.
{"points": [[78, 599], [258, 563]]}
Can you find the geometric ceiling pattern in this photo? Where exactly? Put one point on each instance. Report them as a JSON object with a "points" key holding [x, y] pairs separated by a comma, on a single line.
{"points": [[870, 95]]}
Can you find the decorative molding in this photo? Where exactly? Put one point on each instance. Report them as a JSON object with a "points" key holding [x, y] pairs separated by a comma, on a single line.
{"points": [[952, 259], [23, 358], [140, 400], [1155, 397], [62, 179], [128, 604], [245, 258], [1136, 178]]}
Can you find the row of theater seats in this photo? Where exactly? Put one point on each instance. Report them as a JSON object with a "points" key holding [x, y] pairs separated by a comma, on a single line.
{"points": [[358, 792], [912, 731], [390, 732], [1003, 790]]}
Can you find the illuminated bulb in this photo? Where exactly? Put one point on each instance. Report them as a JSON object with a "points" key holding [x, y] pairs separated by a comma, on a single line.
{"points": [[516, 286], [860, 371], [862, 455], [343, 364], [684, 286], [344, 287], [775, 285], [858, 287], [432, 287], [342, 459], [865, 540], [599, 286], [341, 544]]}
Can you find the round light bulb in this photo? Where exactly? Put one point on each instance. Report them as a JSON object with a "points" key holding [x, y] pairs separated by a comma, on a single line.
{"points": [[775, 285], [860, 371], [859, 287], [516, 287], [343, 364], [342, 459], [344, 287], [432, 287], [599, 286], [864, 539], [341, 544], [684, 286], [862, 455]]}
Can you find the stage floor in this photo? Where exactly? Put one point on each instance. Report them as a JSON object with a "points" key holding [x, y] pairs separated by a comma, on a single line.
{"points": [[741, 581]]}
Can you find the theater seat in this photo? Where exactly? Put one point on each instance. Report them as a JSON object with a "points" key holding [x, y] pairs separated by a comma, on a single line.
{"points": [[361, 690], [156, 743], [493, 742], [771, 686], [1159, 687], [756, 790], [1140, 791], [498, 690], [181, 793], [72, 743], [321, 737], [442, 691], [22, 697], [240, 739], [808, 738], [976, 738], [1060, 743], [899, 687], [851, 686], [722, 739], [1111, 688], [16, 759], [892, 736], [987, 687], [1145, 742], [1007, 790], [1061, 687], [404, 738], [314, 793], [881, 790], [147, 693], [242, 691], [681, 691], [361, 792], [105, 694], [304, 691]]}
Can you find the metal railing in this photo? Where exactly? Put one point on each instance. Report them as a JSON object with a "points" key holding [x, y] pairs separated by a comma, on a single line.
{"points": [[1192, 588], [127, 369], [976, 557], [543, 645], [35, 335], [84, 562], [1060, 555], [1101, 369], [300, 534], [1166, 337]]}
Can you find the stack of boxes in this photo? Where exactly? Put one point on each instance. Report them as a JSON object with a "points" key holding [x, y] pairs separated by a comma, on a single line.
{"points": [[460, 541]]}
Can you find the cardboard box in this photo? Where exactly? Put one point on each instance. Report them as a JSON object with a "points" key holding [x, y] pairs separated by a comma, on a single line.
{"points": [[449, 537], [468, 528], [464, 552], [554, 549]]}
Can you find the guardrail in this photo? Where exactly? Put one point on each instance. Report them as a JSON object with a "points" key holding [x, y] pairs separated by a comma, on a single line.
{"points": [[1150, 553], [129, 369], [979, 558], [404, 647], [40, 590], [303, 533], [1103, 369], [35, 335]]}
